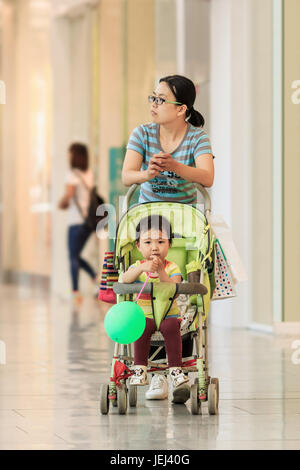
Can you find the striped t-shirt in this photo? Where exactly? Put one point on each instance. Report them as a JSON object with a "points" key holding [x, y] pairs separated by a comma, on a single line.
{"points": [[168, 186], [145, 299]]}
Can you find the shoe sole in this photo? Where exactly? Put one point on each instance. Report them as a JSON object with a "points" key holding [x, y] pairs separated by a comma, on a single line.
{"points": [[157, 398], [181, 394]]}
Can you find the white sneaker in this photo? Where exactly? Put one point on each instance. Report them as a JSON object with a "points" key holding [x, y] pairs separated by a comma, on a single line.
{"points": [[139, 376], [180, 385], [158, 389]]}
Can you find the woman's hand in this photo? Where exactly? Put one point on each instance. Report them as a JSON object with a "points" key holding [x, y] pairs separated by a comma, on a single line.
{"points": [[132, 173], [165, 162], [203, 173], [153, 168]]}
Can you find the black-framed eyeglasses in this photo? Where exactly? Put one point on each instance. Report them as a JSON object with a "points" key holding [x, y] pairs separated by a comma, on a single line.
{"points": [[159, 100]]}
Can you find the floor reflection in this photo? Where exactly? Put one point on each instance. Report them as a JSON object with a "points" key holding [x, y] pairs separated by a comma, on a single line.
{"points": [[58, 355]]}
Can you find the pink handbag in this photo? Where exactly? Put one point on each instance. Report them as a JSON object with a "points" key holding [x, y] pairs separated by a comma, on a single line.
{"points": [[109, 275]]}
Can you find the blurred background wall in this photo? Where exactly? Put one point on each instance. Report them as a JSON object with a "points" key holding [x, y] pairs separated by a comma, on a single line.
{"points": [[26, 139], [82, 70]]}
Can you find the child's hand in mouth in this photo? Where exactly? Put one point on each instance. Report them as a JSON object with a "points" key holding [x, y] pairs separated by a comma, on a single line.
{"points": [[159, 265]]}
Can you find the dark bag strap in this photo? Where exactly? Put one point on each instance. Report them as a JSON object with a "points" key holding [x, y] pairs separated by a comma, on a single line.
{"points": [[83, 182], [75, 198], [79, 208]]}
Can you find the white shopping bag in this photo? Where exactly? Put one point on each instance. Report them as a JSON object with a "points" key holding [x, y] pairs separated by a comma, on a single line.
{"points": [[224, 283], [223, 233]]}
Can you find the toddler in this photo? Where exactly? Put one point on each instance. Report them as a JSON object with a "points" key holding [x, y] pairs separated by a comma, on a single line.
{"points": [[153, 240]]}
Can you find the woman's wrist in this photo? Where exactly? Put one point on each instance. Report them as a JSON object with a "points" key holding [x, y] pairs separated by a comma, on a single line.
{"points": [[177, 167], [186, 172], [196, 175], [134, 177], [145, 176], [141, 177]]}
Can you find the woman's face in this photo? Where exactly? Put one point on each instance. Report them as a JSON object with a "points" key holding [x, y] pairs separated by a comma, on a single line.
{"points": [[166, 112]]}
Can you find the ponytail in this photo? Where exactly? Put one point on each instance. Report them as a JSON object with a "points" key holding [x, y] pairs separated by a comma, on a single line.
{"points": [[195, 118]]}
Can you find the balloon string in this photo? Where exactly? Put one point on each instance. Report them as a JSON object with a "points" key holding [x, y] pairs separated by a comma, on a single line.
{"points": [[143, 286]]}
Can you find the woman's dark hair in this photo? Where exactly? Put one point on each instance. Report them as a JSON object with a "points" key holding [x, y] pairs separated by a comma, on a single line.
{"points": [[155, 221], [185, 92], [79, 156]]}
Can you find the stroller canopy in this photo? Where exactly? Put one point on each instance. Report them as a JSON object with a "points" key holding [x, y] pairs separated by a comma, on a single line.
{"points": [[189, 225]]}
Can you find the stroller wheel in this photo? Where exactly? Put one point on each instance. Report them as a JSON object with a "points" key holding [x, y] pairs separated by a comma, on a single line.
{"points": [[122, 399], [195, 402], [104, 401], [212, 399], [216, 382], [132, 392]]}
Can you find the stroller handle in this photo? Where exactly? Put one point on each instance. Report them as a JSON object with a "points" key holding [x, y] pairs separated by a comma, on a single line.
{"points": [[186, 288], [201, 189]]}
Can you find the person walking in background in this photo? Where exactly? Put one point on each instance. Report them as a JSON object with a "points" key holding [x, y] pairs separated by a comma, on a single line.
{"points": [[79, 182]]}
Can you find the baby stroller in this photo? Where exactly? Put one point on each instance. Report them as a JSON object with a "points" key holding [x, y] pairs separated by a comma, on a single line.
{"points": [[192, 249]]}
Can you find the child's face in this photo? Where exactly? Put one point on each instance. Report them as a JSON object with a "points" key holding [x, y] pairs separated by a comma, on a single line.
{"points": [[153, 243]]}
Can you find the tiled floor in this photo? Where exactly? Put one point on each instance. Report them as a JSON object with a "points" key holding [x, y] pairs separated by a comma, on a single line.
{"points": [[57, 357]]}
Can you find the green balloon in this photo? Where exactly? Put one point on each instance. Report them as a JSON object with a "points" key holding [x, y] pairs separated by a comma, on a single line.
{"points": [[125, 322]]}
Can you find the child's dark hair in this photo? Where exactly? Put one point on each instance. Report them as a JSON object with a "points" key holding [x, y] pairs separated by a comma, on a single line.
{"points": [[155, 221]]}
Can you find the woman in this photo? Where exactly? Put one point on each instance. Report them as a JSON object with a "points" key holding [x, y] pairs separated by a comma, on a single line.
{"points": [[167, 156], [76, 199]]}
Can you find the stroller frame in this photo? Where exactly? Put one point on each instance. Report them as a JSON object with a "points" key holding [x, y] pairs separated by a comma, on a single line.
{"points": [[204, 389]]}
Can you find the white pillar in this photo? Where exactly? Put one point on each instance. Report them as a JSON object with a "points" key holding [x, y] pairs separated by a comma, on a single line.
{"points": [[8, 142], [61, 50], [72, 121], [241, 133], [180, 36], [277, 161], [220, 126]]}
